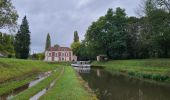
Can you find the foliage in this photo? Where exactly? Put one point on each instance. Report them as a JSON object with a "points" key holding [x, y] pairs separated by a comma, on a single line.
{"points": [[6, 44], [107, 35], [38, 56], [75, 46], [123, 37], [56, 46], [48, 42], [76, 37], [8, 14], [22, 40]]}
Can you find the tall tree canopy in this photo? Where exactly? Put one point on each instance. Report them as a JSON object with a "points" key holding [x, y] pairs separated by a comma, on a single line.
{"points": [[8, 14], [22, 40], [48, 42], [76, 37], [122, 37], [107, 35], [76, 44]]}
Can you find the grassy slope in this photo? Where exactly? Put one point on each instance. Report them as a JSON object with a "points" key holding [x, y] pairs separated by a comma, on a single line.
{"points": [[9, 86], [25, 95], [13, 68], [157, 69], [15, 73], [68, 87]]}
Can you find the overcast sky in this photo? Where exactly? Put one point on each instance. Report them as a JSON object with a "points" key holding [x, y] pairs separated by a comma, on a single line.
{"points": [[61, 18]]}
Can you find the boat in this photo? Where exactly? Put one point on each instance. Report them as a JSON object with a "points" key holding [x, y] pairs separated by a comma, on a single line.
{"points": [[82, 66]]}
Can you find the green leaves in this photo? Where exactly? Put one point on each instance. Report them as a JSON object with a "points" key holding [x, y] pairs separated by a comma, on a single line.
{"points": [[22, 40], [48, 42], [8, 14], [107, 35]]}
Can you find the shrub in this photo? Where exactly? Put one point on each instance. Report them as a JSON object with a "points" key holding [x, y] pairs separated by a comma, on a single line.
{"points": [[131, 73], [147, 76]]}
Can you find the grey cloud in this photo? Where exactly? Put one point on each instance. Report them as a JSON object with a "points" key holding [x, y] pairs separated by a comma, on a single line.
{"points": [[61, 17]]}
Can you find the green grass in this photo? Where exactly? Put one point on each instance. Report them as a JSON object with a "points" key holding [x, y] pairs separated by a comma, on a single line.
{"points": [[25, 95], [68, 87], [9, 86], [15, 73], [14, 69], [155, 69]]}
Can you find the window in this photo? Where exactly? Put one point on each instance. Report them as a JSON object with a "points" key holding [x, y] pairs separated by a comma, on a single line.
{"points": [[69, 53], [66, 54], [56, 54], [49, 54], [62, 59], [62, 54]]}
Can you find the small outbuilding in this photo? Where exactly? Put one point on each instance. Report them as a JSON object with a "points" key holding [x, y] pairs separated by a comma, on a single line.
{"points": [[102, 58], [2, 55]]}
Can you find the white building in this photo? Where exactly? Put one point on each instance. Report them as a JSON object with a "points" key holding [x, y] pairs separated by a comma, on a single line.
{"points": [[59, 54]]}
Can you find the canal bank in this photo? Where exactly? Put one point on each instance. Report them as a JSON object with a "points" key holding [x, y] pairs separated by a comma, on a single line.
{"points": [[155, 70], [119, 87], [69, 87]]}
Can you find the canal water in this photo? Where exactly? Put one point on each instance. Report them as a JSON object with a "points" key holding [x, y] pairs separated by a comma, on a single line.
{"points": [[118, 87]]}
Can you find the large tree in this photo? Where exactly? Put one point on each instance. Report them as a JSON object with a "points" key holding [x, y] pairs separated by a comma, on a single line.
{"points": [[22, 40], [8, 14], [48, 42], [107, 35]]}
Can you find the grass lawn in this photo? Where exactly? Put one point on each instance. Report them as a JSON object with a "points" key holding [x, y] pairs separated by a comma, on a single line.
{"points": [[156, 69], [15, 73], [68, 87], [14, 69], [11, 85], [25, 95]]}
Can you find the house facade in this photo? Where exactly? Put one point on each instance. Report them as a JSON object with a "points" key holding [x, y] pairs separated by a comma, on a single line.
{"points": [[59, 54]]}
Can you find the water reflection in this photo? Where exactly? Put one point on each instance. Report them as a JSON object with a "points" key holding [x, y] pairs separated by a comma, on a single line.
{"points": [[82, 69], [117, 87]]}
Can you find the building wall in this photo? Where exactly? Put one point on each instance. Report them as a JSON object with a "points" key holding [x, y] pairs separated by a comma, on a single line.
{"points": [[59, 56]]}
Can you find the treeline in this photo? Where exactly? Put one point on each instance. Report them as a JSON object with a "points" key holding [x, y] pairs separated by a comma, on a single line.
{"points": [[18, 45], [6, 44], [122, 37]]}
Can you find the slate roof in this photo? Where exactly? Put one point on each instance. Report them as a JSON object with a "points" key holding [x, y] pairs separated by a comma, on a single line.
{"points": [[59, 49]]}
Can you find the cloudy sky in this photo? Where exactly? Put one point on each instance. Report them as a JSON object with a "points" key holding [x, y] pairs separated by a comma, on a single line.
{"points": [[61, 18]]}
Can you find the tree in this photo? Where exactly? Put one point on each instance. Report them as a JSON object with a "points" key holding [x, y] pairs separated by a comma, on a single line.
{"points": [[76, 44], [48, 42], [56, 46], [6, 44], [22, 40], [8, 14], [76, 37], [107, 35], [75, 47]]}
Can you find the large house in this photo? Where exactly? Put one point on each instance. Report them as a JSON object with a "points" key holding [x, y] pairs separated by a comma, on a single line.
{"points": [[59, 54]]}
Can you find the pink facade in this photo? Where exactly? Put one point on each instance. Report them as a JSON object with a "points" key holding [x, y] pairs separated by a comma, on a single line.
{"points": [[59, 54]]}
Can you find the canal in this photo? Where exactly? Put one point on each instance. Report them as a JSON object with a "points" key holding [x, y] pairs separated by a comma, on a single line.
{"points": [[119, 87]]}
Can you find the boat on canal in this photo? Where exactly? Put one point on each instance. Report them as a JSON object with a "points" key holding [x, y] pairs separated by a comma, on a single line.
{"points": [[82, 66]]}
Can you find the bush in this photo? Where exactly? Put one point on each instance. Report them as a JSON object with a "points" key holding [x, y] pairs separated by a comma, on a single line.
{"points": [[131, 73], [9, 56], [147, 76]]}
